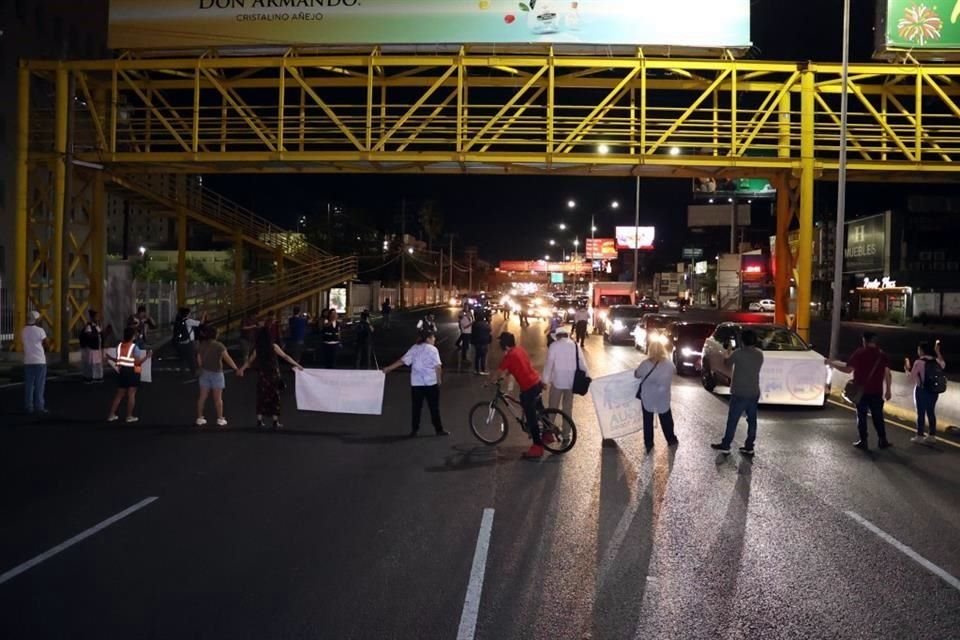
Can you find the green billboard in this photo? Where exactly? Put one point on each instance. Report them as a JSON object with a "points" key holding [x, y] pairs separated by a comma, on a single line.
{"points": [[144, 24], [912, 25]]}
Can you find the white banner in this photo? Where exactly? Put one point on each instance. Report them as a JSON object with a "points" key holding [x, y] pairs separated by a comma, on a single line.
{"points": [[340, 391], [618, 409]]}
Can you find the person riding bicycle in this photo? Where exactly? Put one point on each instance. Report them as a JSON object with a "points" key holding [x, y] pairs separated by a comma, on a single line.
{"points": [[516, 362]]}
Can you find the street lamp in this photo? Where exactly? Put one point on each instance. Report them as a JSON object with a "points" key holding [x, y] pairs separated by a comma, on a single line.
{"points": [[615, 204], [571, 204], [603, 149], [143, 251], [563, 226], [547, 258], [553, 243], [675, 151]]}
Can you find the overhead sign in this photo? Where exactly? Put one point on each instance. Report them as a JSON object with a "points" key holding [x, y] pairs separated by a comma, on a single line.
{"points": [[542, 266], [866, 250], [635, 237], [919, 26], [717, 215], [556, 278], [738, 187], [141, 24], [692, 253], [601, 249]]}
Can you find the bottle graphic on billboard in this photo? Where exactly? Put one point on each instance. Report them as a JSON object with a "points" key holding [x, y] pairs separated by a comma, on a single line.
{"points": [[543, 16]]}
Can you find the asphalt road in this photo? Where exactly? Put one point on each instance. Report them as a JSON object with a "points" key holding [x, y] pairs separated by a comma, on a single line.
{"points": [[337, 527]]}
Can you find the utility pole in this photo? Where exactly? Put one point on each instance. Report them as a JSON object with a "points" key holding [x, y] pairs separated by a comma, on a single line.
{"points": [[452, 261], [841, 192], [636, 241], [733, 225], [440, 277], [403, 250]]}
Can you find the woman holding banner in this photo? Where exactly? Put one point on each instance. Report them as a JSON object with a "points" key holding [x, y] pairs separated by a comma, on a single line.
{"points": [[267, 355], [656, 376]]}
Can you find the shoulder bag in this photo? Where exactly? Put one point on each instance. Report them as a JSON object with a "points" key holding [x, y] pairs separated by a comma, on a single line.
{"points": [[852, 391], [581, 381], [640, 388]]}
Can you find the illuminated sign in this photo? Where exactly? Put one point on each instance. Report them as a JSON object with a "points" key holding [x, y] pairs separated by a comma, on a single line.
{"points": [[701, 268], [711, 24], [601, 249], [920, 26], [635, 237], [883, 283], [542, 266]]}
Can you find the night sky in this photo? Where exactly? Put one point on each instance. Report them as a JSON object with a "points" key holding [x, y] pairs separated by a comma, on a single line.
{"points": [[506, 217]]}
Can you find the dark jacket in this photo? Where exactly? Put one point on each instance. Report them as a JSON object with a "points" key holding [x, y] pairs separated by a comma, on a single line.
{"points": [[482, 334]]}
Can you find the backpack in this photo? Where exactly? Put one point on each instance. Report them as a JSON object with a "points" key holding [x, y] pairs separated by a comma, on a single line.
{"points": [[180, 331], [934, 380]]}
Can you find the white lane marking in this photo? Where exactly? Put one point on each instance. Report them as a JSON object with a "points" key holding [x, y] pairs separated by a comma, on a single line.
{"points": [[905, 550], [46, 555], [471, 604]]}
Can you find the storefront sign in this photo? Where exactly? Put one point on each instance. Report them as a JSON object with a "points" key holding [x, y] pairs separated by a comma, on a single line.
{"points": [[919, 26], [866, 250], [883, 283], [141, 24]]}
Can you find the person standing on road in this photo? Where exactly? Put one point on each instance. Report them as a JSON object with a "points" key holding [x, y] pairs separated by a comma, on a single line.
{"points": [[267, 355], [184, 336], [656, 378], [926, 373], [427, 324], [385, 311], [91, 344], [330, 342], [871, 372], [211, 354], [516, 362], [141, 321], [426, 375], [746, 363], [482, 337], [465, 322], [296, 334], [129, 359], [581, 321], [363, 335], [34, 340], [564, 357], [552, 328]]}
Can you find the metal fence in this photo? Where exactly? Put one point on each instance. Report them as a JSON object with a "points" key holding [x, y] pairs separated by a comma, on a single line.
{"points": [[6, 315]]}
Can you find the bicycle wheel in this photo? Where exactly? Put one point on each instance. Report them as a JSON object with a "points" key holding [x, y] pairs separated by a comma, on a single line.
{"points": [[562, 429], [488, 423]]}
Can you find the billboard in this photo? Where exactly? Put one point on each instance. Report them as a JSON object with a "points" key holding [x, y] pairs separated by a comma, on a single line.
{"points": [[867, 245], [919, 26], [635, 237], [602, 249], [145, 24], [542, 266], [739, 187], [717, 215]]}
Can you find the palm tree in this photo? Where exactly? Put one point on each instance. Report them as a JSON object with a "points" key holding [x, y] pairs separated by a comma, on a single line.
{"points": [[431, 220]]}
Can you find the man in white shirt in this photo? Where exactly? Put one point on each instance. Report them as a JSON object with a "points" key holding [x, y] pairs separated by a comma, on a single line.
{"points": [[34, 341], [466, 331], [426, 374], [581, 318], [561, 366]]}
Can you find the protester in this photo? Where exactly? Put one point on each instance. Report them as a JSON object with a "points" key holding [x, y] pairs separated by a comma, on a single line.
{"points": [[516, 362], [926, 372], [248, 335], [551, 331], [211, 354], [871, 372], [35, 344], [363, 334], [267, 355], [330, 343], [481, 338], [581, 321], [746, 363], [465, 322], [426, 376], [564, 358], [129, 360], [385, 311], [141, 321], [656, 377], [296, 334], [428, 324], [91, 345], [184, 336]]}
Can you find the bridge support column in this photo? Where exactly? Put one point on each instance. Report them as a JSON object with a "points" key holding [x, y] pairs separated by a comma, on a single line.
{"points": [[21, 269], [238, 272], [181, 256], [807, 176], [98, 243], [57, 272], [784, 259]]}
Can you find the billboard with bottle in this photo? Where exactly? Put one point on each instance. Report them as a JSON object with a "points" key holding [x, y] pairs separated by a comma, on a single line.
{"points": [[144, 24], [923, 27]]}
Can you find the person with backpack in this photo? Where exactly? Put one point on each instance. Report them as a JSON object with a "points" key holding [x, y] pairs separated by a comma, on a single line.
{"points": [[184, 334], [91, 344], [364, 339], [929, 382]]}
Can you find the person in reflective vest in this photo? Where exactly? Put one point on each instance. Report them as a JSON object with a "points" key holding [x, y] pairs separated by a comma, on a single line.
{"points": [[128, 361]]}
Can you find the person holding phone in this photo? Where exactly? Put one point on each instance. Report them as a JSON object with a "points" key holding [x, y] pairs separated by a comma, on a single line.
{"points": [[746, 363], [925, 371]]}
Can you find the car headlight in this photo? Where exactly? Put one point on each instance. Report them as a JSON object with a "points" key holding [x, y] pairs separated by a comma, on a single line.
{"points": [[829, 375], [571, 311], [687, 352], [618, 325], [603, 315]]}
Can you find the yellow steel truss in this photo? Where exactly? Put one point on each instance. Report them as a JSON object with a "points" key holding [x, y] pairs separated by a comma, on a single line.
{"points": [[483, 114]]}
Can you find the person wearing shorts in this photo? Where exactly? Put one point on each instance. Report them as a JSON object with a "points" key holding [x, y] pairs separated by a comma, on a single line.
{"points": [[211, 354], [128, 361]]}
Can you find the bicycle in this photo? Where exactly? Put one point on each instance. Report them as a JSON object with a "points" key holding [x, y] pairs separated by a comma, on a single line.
{"points": [[490, 424]]}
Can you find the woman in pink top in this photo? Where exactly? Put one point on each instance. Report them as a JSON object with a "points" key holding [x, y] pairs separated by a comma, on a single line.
{"points": [[925, 397]]}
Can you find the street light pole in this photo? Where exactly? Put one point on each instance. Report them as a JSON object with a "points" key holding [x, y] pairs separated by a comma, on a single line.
{"points": [[593, 243], [636, 241], [841, 191]]}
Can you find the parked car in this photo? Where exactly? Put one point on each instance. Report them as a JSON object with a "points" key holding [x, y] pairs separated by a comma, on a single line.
{"points": [[652, 326], [792, 374], [687, 339], [763, 306], [649, 305], [621, 322]]}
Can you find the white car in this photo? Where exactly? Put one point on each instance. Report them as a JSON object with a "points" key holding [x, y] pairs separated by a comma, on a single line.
{"points": [[764, 306], [792, 374]]}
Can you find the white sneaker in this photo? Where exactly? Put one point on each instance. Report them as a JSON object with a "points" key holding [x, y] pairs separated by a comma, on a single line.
{"points": [[112, 418], [222, 422], [201, 421], [931, 439], [133, 419], [918, 439]]}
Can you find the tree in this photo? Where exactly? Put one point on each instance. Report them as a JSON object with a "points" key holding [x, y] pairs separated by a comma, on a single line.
{"points": [[431, 219]]}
